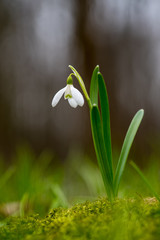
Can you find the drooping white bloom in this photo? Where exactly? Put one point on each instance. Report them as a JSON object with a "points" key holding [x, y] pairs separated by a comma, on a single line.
{"points": [[73, 95]]}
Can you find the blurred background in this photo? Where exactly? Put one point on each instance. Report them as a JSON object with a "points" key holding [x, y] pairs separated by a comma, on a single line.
{"points": [[39, 39]]}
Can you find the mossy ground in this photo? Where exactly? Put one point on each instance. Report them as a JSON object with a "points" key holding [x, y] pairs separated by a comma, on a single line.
{"points": [[124, 219]]}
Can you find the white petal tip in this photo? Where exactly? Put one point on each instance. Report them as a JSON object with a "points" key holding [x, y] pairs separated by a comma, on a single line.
{"points": [[78, 97], [53, 103], [72, 102], [81, 103]]}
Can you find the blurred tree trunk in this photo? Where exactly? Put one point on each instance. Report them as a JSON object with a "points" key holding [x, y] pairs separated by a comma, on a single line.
{"points": [[85, 42], [86, 47], [6, 127]]}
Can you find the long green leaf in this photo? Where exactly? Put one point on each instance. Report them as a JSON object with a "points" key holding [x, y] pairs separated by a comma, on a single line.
{"points": [[126, 148], [100, 150], [94, 87], [105, 119], [145, 180]]}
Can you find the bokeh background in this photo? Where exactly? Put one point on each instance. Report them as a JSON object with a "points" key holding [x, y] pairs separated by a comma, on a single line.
{"points": [[47, 157], [39, 39]]}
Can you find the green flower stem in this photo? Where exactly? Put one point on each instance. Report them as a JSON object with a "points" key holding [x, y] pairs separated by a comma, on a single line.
{"points": [[100, 150], [81, 83]]}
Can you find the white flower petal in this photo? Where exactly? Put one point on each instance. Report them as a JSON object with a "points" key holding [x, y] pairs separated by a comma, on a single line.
{"points": [[58, 96], [77, 96], [72, 102], [68, 93]]}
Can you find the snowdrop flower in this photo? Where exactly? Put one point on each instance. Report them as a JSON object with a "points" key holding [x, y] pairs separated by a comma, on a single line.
{"points": [[73, 95]]}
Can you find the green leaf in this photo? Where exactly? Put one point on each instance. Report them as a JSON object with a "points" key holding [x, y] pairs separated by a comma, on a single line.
{"points": [[126, 148], [105, 120], [100, 150], [145, 180], [94, 87]]}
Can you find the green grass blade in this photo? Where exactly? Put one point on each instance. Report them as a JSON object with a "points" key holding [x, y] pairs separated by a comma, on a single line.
{"points": [[100, 150], [6, 176], [105, 119], [23, 203], [126, 148], [59, 198], [94, 87], [145, 180]]}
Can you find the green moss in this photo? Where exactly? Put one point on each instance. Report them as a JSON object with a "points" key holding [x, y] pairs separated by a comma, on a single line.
{"points": [[124, 219]]}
